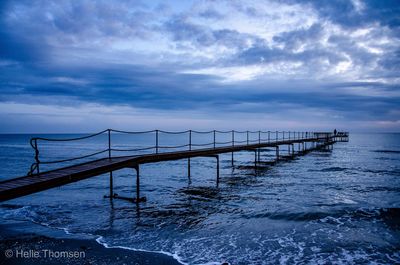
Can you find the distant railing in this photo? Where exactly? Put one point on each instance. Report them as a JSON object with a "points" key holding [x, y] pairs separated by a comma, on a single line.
{"points": [[270, 136]]}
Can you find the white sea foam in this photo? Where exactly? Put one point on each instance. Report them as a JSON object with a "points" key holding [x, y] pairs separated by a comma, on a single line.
{"points": [[101, 241]]}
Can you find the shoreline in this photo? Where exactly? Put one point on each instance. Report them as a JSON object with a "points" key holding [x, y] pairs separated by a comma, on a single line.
{"points": [[44, 246]]}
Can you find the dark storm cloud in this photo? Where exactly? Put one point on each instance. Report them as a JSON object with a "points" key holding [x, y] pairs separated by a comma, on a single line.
{"points": [[148, 88], [72, 51], [183, 30], [293, 39], [260, 54], [348, 14], [211, 14]]}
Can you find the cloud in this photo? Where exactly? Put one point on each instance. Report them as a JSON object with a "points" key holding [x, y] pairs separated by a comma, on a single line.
{"points": [[275, 60]]}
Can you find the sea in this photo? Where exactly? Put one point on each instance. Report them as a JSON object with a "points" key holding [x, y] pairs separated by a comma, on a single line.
{"points": [[336, 206]]}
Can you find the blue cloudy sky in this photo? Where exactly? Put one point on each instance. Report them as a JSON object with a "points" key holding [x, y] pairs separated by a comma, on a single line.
{"points": [[70, 66]]}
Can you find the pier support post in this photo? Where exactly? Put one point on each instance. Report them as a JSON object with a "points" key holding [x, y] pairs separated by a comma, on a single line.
{"points": [[232, 160], [188, 168], [255, 158], [277, 153], [293, 150], [259, 155], [233, 143], [217, 156], [137, 184], [111, 195], [111, 186], [138, 199]]}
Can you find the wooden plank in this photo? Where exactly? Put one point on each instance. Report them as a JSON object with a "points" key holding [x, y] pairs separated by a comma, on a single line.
{"points": [[8, 186], [30, 184]]}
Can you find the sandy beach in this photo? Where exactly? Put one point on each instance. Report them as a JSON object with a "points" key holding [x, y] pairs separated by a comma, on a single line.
{"points": [[18, 247]]}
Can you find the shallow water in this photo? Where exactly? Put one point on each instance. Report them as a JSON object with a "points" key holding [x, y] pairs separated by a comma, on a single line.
{"points": [[327, 206]]}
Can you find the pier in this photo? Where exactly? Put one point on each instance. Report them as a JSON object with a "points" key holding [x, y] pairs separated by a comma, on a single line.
{"points": [[113, 160]]}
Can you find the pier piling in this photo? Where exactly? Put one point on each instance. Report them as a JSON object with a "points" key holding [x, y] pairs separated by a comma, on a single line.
{"points": [[36, 181]]}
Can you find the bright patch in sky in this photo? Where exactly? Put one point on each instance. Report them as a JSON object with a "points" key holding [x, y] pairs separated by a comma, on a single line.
{"points": [[209, 64]]}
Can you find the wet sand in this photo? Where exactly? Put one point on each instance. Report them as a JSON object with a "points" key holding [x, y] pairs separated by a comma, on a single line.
{"points": [[21, 247]]}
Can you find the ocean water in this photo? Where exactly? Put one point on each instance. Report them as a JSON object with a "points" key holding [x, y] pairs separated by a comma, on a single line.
{"points": [[329, 206]]}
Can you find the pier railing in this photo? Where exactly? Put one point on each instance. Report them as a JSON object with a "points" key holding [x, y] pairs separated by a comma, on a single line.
{"points": [[246, 138]]}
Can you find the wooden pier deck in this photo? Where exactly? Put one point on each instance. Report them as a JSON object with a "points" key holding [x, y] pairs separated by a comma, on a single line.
{"points": [[21, 186]]}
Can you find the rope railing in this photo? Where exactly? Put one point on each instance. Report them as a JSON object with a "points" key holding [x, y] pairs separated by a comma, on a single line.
{"points": [[242, 137], [203, 144], [131, 132], [68, 139], [132, 150], [172, 147], [74, 158]]}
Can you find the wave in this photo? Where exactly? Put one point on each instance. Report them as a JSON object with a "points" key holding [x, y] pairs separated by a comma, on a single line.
{"points": [[389, 215], [27, 213], [383, 172], [342, 169], [101, 241], [387, 151], [330, 169]]}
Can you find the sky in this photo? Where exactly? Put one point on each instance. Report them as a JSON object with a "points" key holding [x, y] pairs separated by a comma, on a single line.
{"points": [[84, 66]]}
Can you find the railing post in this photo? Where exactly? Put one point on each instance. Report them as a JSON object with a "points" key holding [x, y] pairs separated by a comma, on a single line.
{"points": [[156, 141], [269, 136], [214, 139], [109, 157], [190, 139], [190, 148], [283, 135], [247, 133], [259, 142], [109, 143], [276, 135]]}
